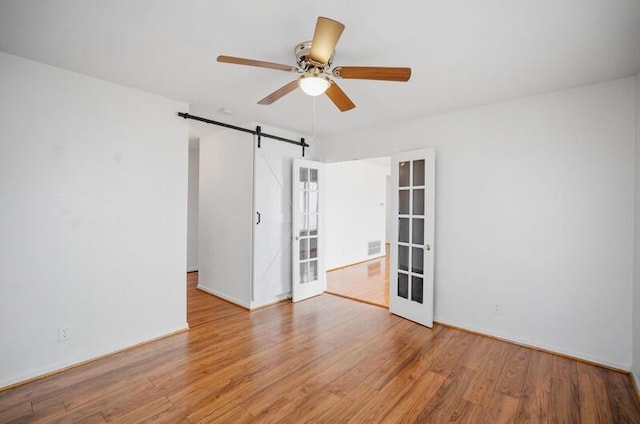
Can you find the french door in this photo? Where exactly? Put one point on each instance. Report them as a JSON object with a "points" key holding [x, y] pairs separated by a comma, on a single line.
{"points": [[411, 269], [307, 260]]}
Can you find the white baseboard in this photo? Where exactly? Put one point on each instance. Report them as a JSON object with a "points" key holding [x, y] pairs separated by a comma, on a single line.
{"points": [[79, 360], [257, 304], [358, 262], [225, 297], [261, 303], [540, 346]]}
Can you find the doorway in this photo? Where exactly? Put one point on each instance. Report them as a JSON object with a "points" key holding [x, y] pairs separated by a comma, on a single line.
{"points": [[366, 282], [192, 219], [357, 211]]}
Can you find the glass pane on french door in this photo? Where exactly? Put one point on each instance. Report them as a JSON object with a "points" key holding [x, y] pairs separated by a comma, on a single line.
{"points": [[411, 215], [308, 191]]}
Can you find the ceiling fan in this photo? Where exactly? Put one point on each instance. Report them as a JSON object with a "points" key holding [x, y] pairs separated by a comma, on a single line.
{"points": [[313, 60]]}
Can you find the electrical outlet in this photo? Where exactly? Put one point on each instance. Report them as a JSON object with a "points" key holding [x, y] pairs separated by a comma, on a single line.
{"points": [[497, 308], [63, 334]]}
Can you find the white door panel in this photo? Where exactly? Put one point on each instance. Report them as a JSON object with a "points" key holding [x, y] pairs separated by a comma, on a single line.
{"points": [[272, 221], [411, 276]]}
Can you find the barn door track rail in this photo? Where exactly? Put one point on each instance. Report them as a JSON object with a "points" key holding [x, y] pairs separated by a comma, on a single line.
{"points": [[257, 131]]}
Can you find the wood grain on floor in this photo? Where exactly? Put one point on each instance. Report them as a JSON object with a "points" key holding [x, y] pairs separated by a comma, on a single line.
{"points": [[325, 360]]}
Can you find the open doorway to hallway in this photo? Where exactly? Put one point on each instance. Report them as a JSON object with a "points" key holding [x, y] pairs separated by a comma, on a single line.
{"points": [[192, 219], [366, 282], [357, 211]]}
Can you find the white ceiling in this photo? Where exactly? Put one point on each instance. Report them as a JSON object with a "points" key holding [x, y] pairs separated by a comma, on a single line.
{"points": [[463, 53]]}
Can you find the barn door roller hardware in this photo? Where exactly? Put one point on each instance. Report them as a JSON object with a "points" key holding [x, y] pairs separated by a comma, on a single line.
{"points": [[257, 131]]}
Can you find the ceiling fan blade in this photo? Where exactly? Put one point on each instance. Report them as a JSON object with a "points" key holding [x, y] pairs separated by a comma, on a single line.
{"points": [[280, 92], [339, 98], [325, 38], [372, 73], [258, 63]]}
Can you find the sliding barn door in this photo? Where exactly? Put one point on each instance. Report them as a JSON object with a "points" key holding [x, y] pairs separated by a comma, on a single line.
{"points": [[272, 221], [308, 259], [411, 271]]}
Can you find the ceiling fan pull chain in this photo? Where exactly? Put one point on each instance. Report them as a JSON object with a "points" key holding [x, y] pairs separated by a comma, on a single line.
{"points": [[313, 120]]}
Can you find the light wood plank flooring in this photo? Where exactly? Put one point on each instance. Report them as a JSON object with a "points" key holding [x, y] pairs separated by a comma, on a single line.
{"points": [[365, 282], [327, 359]]}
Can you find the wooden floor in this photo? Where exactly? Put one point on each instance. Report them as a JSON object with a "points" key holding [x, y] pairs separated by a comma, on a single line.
{"points": [[366, 282], [327, 359]]}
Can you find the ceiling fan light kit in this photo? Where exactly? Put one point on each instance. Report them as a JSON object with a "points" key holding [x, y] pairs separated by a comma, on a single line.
{"points": [[314, 85], [313, 59]]}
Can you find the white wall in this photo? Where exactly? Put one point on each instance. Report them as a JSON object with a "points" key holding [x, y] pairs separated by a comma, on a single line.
{"points": [[225, 215], [636, 275], [192, 214], [355, 210], [93, 182], [534, 209]]}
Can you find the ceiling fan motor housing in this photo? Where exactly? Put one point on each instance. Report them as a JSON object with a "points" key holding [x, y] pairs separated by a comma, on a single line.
{"points": [[302, 52]]}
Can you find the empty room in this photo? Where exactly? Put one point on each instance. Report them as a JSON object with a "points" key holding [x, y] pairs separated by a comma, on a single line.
{"points": [[195, 195]]}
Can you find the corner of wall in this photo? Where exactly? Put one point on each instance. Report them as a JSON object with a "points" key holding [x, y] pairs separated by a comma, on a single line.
{"points": [[635, 306]]}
